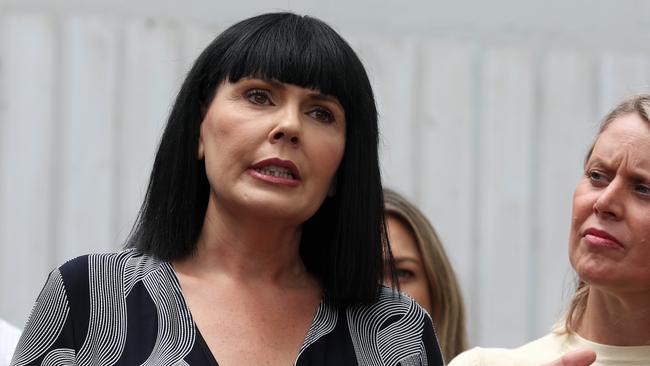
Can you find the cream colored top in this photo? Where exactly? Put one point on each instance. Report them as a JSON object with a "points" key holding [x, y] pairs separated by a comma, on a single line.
{"points": [[550, 348], [8, 339]]}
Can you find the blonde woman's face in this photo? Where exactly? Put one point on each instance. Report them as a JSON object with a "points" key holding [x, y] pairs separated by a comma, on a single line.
{"points": [[408, 262], [609, 245]]}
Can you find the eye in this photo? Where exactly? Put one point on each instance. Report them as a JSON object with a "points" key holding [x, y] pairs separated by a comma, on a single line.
{"points": [[642, 189], [404, 274], [259, 96], [597, 178], [322, 114]]}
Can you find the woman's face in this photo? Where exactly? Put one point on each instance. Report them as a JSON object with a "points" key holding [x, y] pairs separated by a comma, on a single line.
{"points": [[271, 149], [609, 244], [410, 271]]}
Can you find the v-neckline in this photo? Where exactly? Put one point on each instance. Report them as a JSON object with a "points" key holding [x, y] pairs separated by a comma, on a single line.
{"points": [[323, 306]]}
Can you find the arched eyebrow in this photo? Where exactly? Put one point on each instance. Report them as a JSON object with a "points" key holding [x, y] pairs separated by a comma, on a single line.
{"points": [[274, 83], [315, 95], [406, 259], [325, 98]]}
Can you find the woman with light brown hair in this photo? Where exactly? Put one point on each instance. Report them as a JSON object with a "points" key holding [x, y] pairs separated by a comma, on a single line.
{"points": [[424, 271], [609, 249]]}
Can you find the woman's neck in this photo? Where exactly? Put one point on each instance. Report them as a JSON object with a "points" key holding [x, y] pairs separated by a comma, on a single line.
{"points": [[246, 248], [616, 320]]}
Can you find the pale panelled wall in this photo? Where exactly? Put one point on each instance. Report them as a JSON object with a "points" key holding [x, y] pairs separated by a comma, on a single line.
{"points": [[27, 161], [391, 68], [504, 199], [87, 92], [567, 121], [621, 75], [84, 100], [446, 190], [487, 138]]}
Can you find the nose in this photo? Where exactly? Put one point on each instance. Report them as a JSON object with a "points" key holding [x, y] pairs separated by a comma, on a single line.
{"points": [[609, 203], [287, 128]]}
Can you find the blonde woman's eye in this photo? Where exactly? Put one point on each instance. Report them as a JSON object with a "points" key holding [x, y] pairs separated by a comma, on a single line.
{"points": [[596, 177], [322, 115], [259, 96], [642, 189]]}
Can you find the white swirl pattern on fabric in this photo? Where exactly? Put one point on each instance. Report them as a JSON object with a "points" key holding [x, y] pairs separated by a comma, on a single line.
{"points": [[60, 357], [136, 269], [324, 322], [175, 325], [388, 332], [46, 321], [106, 335], [378, 344]]}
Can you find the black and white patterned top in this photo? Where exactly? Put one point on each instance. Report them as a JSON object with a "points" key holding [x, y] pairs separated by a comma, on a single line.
{"points": [[128, 309]]}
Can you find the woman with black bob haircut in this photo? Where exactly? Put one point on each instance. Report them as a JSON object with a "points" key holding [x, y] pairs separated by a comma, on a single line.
{"points": [[261, 236]]}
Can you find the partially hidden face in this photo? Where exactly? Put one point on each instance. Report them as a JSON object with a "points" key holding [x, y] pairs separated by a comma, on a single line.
{"points": [[609, 244], [408, 262], [271, 149]]}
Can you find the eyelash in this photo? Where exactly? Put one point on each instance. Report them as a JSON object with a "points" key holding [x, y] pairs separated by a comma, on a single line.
{"points": [[596, 177], [404, 274], [599, 179], [319, 113], [324, 115], [252, 94], [644, 189]]}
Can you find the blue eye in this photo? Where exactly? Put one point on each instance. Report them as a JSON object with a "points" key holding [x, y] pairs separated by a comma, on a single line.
{"points": [[596, 177], [642, 189]]}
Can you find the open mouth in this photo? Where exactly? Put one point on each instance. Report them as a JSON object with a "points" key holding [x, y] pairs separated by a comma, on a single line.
{"points": [[275, 171]]}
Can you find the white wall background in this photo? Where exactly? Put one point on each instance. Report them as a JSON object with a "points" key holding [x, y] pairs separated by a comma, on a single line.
{"points": [[487, 109]]}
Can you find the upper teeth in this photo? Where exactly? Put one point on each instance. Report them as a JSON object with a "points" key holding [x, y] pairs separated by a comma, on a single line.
{"points": [[275, 171]]}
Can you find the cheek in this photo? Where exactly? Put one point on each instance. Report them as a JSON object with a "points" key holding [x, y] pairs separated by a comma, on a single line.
{"points": [[337, 150], [580, 211], [223, 139], [419, 291], [416, 289], [582, 208], [640, 230], [327, 152]]}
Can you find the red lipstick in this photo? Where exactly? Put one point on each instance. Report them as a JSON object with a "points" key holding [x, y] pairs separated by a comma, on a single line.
{"points": [[276, 171]]}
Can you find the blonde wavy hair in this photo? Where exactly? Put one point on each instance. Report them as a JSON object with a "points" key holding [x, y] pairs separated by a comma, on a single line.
{"points": [[639, 105], [446, 299]]}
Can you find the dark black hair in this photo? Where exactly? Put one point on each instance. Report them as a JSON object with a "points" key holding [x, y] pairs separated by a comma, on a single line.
{"points": [[344, 241]]}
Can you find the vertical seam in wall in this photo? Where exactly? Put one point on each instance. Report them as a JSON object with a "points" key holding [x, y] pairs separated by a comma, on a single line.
{"points": [[58, 140], [600, 83], [474, 202], [118, 171], [416, 106], [4, 125], [536, 136], [646, 63]]}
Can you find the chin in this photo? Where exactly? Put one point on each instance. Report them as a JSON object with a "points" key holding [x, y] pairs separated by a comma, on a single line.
{"points": [[283, 210], [598, 275]]}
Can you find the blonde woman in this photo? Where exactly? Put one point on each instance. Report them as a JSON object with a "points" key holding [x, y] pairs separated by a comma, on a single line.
{"points": [[609, 249], [424, 271]]}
